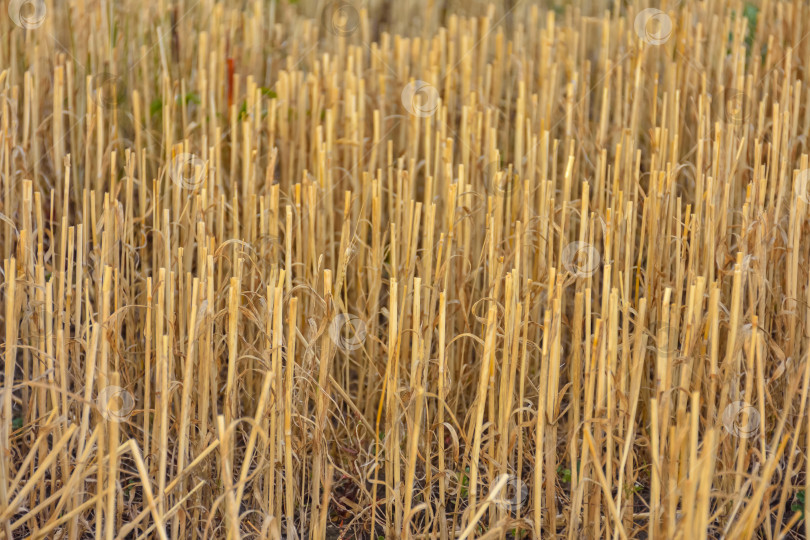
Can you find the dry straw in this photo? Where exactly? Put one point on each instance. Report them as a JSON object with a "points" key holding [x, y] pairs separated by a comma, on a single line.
{"points": [[415, 270]]}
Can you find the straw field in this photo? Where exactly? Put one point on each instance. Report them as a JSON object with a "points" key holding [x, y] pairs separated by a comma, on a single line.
{"points": [[430, 269]]}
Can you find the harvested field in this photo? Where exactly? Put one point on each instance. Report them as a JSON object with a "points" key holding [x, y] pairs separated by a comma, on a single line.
{"points": [[430, 269]]}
